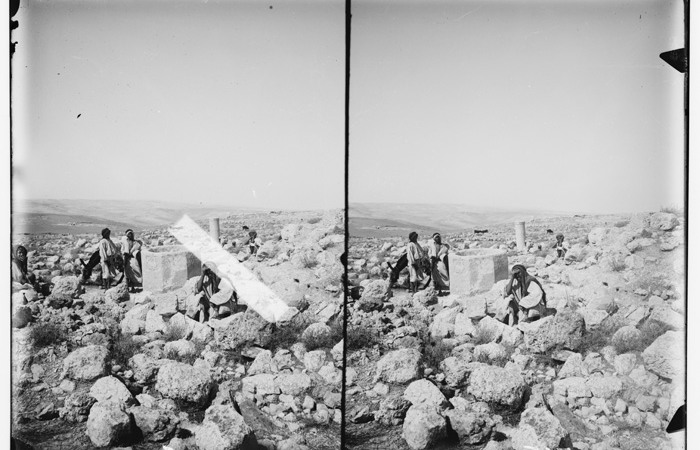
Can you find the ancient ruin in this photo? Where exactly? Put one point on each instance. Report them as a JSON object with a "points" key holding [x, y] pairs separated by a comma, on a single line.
{"points": [[168, 267]]}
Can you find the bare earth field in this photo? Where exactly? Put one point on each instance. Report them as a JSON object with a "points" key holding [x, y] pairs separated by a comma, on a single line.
{"points": [[604, 369]]}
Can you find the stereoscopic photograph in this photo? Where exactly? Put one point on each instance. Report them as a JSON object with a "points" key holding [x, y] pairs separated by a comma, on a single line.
{"points": [[517, 228], [177, 224]]}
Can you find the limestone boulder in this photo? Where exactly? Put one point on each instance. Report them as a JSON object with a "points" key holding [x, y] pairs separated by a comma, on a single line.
{"points": [[625, 337], [156, 425], [145, 367], [108, 424], [262, 363], [86, 363], [399, 366], [471, 428], [166, 304], [117, 294], [664, 356], [110, 389], [562, 330], [293, 384], [443, 324], [224, 429], [76, 407], [456, 370], [181, 381], [154, 322], [316, 332], [182, 348], [663, 221], [423, 392], [669, 317], [424, 427], [538, 428], [242, 329], [65, 289], [496, 384], [604, 386]]}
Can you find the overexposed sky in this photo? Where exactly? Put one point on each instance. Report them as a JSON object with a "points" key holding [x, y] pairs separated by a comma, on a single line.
{"points": [[220, 102], [553, 105]]}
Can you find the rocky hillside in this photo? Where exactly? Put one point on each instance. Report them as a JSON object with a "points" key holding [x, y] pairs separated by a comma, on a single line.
{"points": [[94, 369], [604, 369]]}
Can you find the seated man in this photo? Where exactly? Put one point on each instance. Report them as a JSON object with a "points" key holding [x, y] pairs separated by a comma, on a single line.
{"points": [[214, 297], [20, 272], [527, 297], [561, 246]]}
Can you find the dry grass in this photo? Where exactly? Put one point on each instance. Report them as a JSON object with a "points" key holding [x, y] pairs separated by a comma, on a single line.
{"points": [[649, 332], [46, 334], [190, 358], [308, 262], [123, 348], [601, 336], [359, 337], [175, 332], [673, 209], [483, 336]]}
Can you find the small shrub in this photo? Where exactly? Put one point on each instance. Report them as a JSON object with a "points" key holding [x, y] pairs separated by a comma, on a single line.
{"points": [[434, 352], [328, 341], [123, 348], [46, 334], [617, 265], [599, 337], [483, 336], [673, 209], [199, 347], [650, 331], [359, 337], [622, 223], [284, 336], [308, 262], [175, 332], [314, 220]]}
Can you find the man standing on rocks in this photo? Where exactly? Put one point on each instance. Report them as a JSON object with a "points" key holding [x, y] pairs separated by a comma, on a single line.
{"points": [[414, 254], [131, 248], [437, 251], [108, 253]]}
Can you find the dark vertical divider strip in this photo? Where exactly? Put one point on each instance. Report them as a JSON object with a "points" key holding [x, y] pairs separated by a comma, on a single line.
{"points": [[343, 403]]}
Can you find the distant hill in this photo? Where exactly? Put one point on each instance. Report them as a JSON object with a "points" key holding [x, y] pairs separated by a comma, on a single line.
{"points": [[90, 216], [391, 219]]}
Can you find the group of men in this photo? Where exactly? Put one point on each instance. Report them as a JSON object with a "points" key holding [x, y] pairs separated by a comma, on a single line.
{"points": [[527, 298]]}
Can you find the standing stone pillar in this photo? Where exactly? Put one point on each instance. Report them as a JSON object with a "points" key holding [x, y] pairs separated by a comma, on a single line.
{"points": [[214, 228], [520, 236]]}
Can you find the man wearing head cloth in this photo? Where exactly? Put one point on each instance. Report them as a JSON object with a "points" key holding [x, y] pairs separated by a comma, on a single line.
{"points": [[527, 297], [131, 248], [437, 251], [214, 297], [108, 253]]}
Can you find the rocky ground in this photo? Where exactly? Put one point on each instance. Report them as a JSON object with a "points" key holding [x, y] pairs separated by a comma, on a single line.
{"points": [[603, 370], [103, 370]]}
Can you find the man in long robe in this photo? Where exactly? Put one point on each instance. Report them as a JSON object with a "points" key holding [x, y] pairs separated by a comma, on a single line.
{"points": [[131, 248], [108, 252], [527, 297], [437, 251]]}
